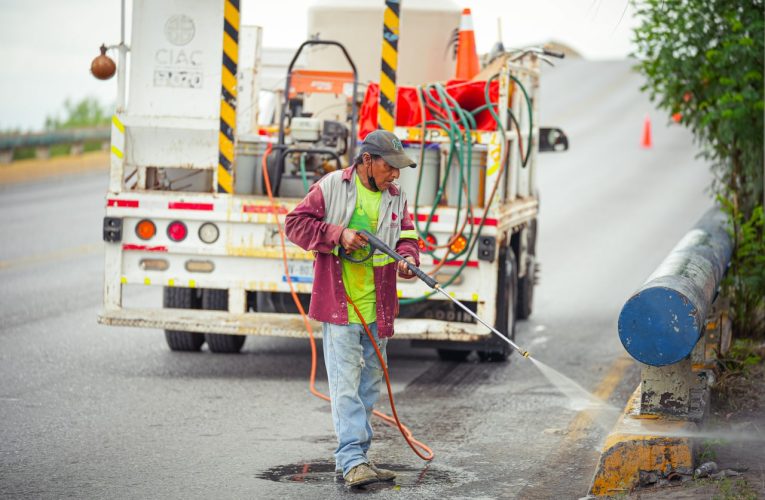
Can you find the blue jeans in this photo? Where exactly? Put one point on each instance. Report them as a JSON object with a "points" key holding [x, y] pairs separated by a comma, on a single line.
{"points": [[355, 375]]}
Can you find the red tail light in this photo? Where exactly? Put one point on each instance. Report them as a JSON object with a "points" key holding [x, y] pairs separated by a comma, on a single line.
{"points": [[177, 231], [428, 244]]}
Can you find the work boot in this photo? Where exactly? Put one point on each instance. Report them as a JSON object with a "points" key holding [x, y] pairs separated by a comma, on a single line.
{"points": [[382, 474], [360, 475]]}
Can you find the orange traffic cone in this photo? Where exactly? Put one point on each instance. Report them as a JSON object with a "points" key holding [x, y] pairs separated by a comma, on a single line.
{"points": [[646, 142], [467, 57]]}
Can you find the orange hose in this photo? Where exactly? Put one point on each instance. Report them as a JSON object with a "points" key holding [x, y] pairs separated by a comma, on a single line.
{"points": [[427, 453]]}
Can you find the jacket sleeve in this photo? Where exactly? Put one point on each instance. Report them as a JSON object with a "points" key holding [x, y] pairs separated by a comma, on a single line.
{"points": [[305, 225], [407, 243]]}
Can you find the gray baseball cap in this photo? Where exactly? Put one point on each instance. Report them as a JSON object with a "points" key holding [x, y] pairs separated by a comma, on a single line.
{"points": [[387, 145]]}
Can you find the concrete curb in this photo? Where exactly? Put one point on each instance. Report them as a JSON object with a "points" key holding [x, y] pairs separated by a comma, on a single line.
{"points": [[640, 445]]}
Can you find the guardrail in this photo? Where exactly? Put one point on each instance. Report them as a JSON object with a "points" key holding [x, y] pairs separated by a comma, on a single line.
{"points": [[43, 141], [661, 324]]}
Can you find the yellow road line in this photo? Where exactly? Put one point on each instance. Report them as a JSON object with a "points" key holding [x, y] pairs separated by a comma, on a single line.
{"points": [[58, 255], [605, 388]]}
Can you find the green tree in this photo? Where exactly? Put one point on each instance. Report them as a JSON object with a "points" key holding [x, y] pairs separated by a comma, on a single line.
{"points": [[87, 112], [703, 61]]}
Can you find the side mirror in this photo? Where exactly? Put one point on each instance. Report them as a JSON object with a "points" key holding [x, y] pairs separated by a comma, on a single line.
{"points": [[552, 140]]}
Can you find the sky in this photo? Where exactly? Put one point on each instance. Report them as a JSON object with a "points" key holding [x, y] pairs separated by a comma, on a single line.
{"points": [[46, 46]]}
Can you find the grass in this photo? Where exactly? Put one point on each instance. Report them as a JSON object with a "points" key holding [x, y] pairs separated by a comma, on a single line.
{"points": [[734, 489], [741, 375], [55, 150], [707, 453]]}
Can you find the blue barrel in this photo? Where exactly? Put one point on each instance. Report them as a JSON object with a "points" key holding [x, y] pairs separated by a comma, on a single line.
{"points": [[661, 323]]}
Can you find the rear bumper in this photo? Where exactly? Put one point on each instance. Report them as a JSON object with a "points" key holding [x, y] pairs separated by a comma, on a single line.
{"points": [[277, 325]]}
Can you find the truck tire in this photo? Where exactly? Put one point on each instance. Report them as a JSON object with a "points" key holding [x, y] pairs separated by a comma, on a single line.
{"points": [[527, 283], [217, 300], [526, 290], [182, 298], [507, 286]]}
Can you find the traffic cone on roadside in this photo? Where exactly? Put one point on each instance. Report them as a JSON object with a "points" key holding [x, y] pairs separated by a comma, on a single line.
{"points": [[646, 142], [467, 57]]}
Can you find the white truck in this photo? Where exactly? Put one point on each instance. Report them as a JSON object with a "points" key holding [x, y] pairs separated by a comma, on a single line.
{"points": [[186, 208]]}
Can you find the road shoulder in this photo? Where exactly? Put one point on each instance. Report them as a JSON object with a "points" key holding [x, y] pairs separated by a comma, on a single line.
{"points": [[32, 170]]}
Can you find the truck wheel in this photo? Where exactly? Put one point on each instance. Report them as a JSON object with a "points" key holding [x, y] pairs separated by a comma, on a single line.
{"points": [[498, 350], [217, 300], [526, 284], [452, 355], [182, 298], [526, 290]]}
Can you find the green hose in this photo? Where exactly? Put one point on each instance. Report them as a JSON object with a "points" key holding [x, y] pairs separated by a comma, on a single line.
{"points": [[531, 119], [470, 246], [459, 131]]}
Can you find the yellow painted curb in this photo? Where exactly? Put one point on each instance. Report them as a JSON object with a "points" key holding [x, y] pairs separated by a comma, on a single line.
{"points": [[640, 443]]}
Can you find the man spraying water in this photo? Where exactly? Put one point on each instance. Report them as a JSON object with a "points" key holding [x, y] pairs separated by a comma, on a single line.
{"points": [[332, 216]]}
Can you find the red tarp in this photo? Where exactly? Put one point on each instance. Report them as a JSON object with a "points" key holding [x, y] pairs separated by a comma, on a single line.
{"points": [[469, 95]]}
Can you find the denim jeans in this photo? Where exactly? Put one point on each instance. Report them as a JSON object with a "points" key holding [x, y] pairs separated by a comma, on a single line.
{"points": [[355, 375]]}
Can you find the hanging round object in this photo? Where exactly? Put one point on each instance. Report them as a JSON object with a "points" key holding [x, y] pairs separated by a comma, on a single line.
{"points": [[103, 66]]}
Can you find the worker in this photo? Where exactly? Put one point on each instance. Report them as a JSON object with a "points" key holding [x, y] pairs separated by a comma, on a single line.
{"points": [[331, 215]]}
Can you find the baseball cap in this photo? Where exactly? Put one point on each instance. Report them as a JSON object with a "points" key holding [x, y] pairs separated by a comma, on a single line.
{"points": [[387, 145]]}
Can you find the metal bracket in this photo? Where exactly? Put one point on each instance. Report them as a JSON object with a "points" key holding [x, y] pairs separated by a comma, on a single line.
{"points": [[112, 229], [487, 248]]}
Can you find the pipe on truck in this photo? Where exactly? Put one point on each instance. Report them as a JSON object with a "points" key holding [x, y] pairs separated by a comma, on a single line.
{"points": [[661, 323]]}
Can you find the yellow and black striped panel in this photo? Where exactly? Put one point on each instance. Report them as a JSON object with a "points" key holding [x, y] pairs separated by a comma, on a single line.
{"points": [[228, 96], [386, 110]]}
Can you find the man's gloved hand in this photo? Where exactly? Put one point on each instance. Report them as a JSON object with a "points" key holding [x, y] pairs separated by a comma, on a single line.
{"points": [[351, 240], [403, 269]]}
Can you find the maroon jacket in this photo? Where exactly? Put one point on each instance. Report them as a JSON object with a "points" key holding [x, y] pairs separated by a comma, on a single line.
{"points": [[316, 224]]}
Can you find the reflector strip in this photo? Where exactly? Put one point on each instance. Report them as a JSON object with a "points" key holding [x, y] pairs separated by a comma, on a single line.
{"points": [[489, 222], [228, 95], [424, 218], [182, 205], [122, 203], [386, 108], [117, 123], [456, 263], [143, 248]]}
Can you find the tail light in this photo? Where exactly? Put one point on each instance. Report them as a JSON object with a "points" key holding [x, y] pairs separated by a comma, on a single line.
{"points": [[208, 232], [458, 244], [145, 229], [428, 244], [177, 231]]}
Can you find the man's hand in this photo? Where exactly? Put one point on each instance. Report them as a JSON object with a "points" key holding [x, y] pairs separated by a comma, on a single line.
{"points": [[403, 269], [351, 240]]}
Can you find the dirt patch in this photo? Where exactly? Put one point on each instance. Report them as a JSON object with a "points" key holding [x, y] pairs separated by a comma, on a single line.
{"points": [[30, 170]]}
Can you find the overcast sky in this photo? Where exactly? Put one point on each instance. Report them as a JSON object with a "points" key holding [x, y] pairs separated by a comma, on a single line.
{"points": [[46, 46]]}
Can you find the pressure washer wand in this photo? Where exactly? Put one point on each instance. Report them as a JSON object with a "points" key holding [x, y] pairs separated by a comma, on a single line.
{"points": [[377, 243]]}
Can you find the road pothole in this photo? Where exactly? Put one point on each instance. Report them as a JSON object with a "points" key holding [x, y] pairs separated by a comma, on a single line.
{"points": [[322, 472]]}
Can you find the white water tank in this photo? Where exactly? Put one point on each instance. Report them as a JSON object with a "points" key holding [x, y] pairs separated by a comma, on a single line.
{"points": [[425, 29]]}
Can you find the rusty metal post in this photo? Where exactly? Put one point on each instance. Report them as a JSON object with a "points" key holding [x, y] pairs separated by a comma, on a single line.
{"points": [[666, 390]]}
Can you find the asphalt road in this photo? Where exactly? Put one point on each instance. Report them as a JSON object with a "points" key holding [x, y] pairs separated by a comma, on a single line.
{"points": [[89, 411]]}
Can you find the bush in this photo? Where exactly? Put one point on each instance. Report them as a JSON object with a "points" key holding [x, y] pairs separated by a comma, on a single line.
{"points": [[703, 61]]}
